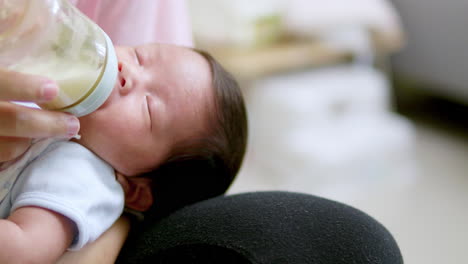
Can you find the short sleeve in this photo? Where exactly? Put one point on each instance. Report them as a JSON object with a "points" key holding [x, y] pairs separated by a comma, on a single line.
{"points": [[70, 180]]}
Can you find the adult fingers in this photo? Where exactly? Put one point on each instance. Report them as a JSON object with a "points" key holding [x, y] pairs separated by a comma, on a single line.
{"points": [[11, 148], [23, 87], [19, 121]]}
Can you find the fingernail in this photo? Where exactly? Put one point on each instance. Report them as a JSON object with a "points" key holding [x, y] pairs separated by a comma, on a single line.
{"points": [[49, 91], [73, 126]]}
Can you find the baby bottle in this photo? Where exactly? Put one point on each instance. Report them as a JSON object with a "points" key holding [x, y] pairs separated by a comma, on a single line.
{"points": [[54, 39]]}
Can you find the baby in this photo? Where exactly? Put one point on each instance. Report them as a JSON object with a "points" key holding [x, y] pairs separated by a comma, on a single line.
{"points": [[172, 132]]}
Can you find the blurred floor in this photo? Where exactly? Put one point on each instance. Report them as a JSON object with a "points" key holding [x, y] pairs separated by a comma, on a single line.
{"points": [[427, 215]]}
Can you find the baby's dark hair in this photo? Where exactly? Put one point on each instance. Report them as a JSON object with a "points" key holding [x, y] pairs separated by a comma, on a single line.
{"points": [[205, 167]]}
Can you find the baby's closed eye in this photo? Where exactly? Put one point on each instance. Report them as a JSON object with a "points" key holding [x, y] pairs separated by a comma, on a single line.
{"points": [[148, 108], [138, 58]]}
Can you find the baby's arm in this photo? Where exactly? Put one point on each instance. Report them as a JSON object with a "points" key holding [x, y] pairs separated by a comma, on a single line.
{"points": [[34, 235], [104, 250]]}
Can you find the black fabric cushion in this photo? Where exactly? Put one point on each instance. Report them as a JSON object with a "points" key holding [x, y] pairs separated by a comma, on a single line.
{"points": [[266, 228]]}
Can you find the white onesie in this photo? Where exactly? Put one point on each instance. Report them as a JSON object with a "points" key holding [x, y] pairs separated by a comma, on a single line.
{"points": [[66, 178]]}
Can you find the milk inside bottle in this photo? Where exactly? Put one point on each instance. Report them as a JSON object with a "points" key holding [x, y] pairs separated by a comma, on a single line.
{"points": [[52, 38]]}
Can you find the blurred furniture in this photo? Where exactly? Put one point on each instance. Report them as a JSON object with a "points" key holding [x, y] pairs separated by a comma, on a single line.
{"points": [[271, 37], [247, 64], [318, 98], [292, 54]]}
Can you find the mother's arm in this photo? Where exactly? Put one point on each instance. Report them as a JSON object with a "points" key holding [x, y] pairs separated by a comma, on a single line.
{"points": [[104, 250]]}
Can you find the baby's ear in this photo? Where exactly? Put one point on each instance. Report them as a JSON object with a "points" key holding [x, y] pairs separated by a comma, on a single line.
{"points": [[138, 195]]}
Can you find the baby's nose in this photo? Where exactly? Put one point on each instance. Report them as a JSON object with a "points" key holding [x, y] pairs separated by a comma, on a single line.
{"points": [[124, 80]]}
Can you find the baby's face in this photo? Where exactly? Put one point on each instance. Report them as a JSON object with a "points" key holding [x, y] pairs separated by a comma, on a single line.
{"points": [[163, 95]]}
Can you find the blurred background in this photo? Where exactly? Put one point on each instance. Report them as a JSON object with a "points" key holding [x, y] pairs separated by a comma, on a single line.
{"points": [[364, 102]]}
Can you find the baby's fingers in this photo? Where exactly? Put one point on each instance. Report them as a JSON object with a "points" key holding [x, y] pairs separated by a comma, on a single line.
{"points": [[19, 121], [17, 86]]}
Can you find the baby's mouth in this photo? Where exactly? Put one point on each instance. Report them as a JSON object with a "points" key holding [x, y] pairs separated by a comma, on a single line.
{"points": [[107, 102], [120, 82]]}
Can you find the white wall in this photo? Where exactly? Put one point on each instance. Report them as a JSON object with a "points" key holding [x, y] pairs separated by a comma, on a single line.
{"points": [[437, 50]]}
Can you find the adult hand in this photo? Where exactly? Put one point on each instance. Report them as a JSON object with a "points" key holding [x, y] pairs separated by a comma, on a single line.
{"points": [[19, 124]]}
